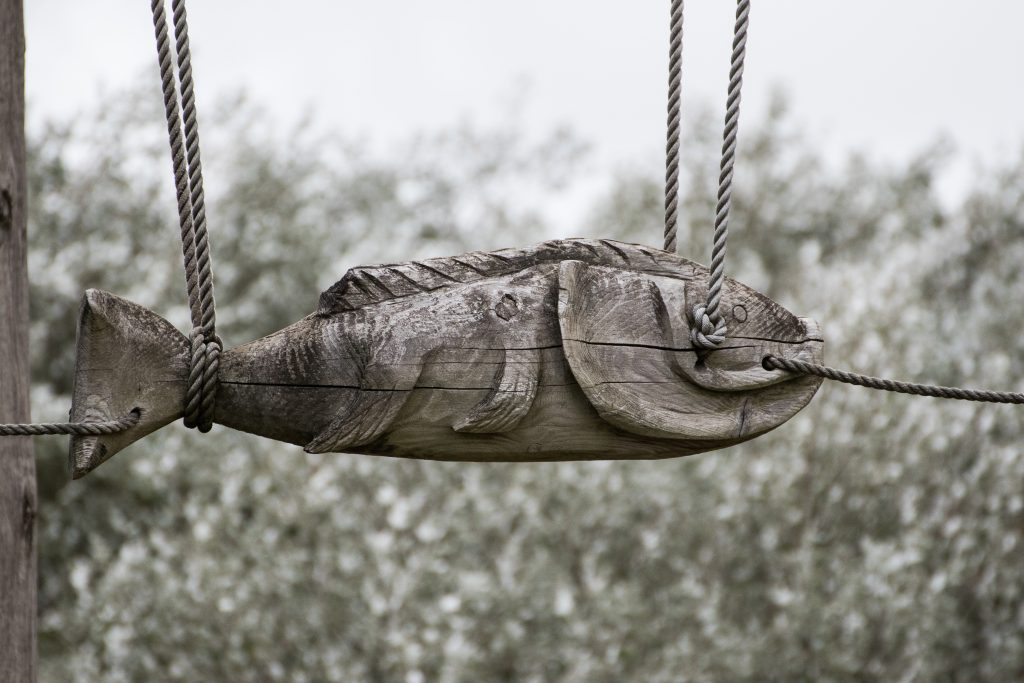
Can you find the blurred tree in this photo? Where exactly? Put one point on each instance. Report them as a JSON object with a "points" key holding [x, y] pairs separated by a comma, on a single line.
{"points": [[872, 538]]}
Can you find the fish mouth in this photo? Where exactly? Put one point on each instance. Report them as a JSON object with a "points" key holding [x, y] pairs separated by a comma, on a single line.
{"points": [[738, 364]]}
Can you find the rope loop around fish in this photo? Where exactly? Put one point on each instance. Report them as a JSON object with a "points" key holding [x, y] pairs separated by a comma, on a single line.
{"points": [[204, 363], [705, 334], [183, 136]]}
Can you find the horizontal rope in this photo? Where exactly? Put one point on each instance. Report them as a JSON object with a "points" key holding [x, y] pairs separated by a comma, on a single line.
{"points": [[774, 363], [121, 424]]}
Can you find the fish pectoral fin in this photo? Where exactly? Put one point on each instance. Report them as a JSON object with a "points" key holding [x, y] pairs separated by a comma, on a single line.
{"points": [[510, 399], [364, 420], [388, 381]]}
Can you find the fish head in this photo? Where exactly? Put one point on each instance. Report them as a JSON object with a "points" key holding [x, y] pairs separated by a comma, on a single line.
{"points": [[627, 337], [755, 327]]}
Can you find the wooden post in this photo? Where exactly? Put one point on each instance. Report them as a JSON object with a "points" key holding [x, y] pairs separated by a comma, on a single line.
{"points": [[17, 466]]}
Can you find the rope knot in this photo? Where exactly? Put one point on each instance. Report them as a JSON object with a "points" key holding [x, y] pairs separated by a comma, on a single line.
{"points": [[705, 333], [201, 396]]}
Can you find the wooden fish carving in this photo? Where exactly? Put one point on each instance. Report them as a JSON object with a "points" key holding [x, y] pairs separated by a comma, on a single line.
{"points": [[567, 350]]}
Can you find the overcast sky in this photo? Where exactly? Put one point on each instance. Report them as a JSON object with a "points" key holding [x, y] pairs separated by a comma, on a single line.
{"points": [[882, 76]]}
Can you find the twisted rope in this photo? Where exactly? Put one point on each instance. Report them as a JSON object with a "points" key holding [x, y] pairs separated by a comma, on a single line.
{"points": [[207, 336], [774, 363], [675, 82], [709, 328], [183, 138], [174, 134], [75, 428], [208, 313], [195, 245]]}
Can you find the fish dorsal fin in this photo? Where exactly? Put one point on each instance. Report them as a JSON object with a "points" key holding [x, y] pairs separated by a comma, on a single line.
{"points": [[368, 285]]}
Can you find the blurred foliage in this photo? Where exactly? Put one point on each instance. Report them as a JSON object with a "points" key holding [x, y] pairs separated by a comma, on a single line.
{"points": [[872, 538]]}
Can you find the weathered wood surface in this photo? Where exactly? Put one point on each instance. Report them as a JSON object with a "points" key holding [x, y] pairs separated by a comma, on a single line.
{"points": [[572, 349], [17, 465]]}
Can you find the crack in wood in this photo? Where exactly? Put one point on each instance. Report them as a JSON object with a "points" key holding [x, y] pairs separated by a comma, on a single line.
{"points": [[743, 416], [6, 210], [656, 347]]}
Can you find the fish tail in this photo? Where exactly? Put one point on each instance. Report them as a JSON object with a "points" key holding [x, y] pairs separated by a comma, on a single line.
{"points": [[127, 359]]}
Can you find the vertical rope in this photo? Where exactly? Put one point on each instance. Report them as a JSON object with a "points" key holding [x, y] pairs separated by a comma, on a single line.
{"points": [[207, 323], [188, 180], [675, 81], [195, 169], [709, 329], [174, 134]]}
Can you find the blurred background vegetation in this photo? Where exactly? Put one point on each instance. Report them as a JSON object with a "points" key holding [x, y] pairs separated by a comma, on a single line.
{"points": [[871, 538]]}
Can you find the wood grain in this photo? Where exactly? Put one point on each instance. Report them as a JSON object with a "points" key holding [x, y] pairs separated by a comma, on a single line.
{"points": [[573, 349], [17, 465], [113, 335]]}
